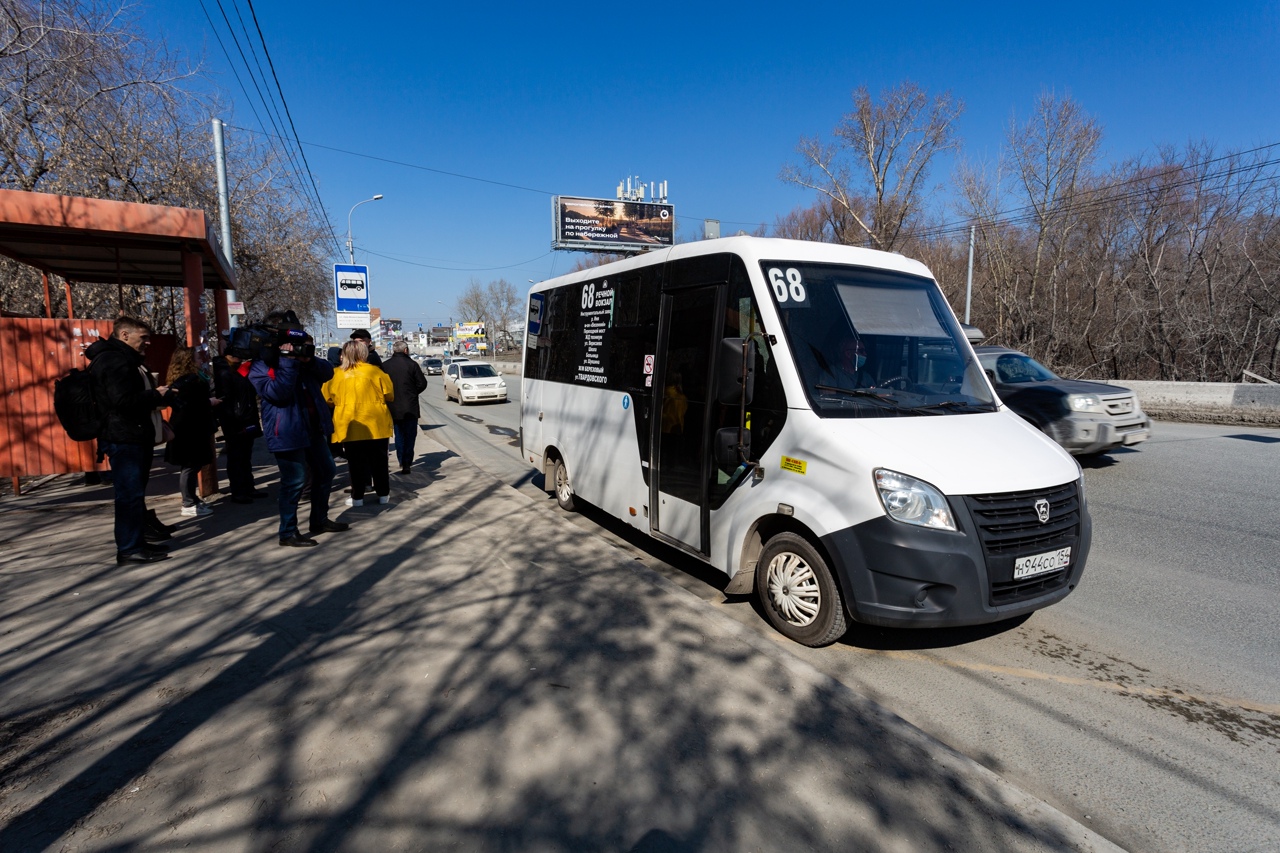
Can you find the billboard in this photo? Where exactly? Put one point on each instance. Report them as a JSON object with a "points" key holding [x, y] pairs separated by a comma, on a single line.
{"points": [[604, 225]]}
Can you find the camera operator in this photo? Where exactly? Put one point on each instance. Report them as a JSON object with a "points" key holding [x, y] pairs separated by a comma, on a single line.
{"points": [[297, 422]]}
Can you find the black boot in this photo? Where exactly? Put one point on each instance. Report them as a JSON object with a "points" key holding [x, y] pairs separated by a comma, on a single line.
{"points": [[155, 524]]}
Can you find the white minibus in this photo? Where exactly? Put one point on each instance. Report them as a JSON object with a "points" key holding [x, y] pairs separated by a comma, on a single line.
{"points": [[811, 420]]}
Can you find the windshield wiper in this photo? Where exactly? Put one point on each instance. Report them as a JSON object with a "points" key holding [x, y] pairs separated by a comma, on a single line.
{"points": [[947, 404], [879, 397]]}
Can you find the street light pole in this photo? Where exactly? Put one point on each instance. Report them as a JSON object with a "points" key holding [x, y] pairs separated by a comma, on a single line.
{"points": [[351, 252]]}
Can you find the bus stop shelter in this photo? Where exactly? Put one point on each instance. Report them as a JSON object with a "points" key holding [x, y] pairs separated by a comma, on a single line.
{"points": [[84, 240]]}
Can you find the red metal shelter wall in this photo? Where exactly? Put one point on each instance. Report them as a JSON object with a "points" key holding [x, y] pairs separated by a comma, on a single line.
{"points": [[33, 354]]}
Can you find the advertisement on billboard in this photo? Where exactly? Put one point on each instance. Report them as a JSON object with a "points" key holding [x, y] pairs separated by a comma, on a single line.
{"points": [[469, 337], [603, 225]]}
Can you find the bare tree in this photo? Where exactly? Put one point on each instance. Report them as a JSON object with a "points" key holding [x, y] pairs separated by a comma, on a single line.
{"points": [[92, 107], [875, 171], [497, 305], [506, 308], [1042, 186], [473, 304]]}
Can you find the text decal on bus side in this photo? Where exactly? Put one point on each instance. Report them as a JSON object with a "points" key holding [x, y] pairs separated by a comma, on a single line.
{"points": [[796, 466], [788, 287], [596, 312]]}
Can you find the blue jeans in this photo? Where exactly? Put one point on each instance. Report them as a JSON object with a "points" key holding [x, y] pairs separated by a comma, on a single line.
{"points": [[293, 473], [130, 471], [406, 438]]}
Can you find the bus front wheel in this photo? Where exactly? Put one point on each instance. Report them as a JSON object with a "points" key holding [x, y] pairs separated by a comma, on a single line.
{"points": [[564, 491], [800, 597]]}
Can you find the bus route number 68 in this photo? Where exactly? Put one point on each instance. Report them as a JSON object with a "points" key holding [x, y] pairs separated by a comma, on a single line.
{"points": [[788, 287]]}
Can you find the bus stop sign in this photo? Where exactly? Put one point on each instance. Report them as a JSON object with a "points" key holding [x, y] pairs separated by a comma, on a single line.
{"points": [[351, 288]]}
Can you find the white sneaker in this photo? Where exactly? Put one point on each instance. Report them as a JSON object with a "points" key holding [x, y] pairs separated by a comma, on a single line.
{"points": [[384, 499], [196, 510], [355, 501]]}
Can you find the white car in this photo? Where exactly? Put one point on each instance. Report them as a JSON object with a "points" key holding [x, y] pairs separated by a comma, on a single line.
{"points": [[469, 382]]}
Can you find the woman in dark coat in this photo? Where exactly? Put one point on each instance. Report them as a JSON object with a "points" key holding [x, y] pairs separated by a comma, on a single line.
{"points": [[193, 426]]}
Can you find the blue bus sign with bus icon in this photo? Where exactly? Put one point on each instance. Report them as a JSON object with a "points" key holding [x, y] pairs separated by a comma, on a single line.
{"points": [[351, 288]]}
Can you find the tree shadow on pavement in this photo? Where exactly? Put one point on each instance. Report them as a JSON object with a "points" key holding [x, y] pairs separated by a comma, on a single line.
{"points": [[468, 671]]}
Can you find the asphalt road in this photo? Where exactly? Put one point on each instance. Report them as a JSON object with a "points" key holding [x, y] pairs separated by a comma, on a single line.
{"points": [[1146, 705]]}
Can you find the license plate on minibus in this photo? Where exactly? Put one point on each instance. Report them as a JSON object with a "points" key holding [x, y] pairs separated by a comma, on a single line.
{"points": [[1038, 564]]}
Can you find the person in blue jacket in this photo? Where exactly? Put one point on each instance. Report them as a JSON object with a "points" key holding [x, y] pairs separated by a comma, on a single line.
{"points": [[297, 425]]}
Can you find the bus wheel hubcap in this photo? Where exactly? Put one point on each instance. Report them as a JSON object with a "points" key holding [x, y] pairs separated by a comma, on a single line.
{"points": [[793, 589]]}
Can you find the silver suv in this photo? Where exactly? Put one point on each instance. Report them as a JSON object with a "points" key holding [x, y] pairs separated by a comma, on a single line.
{"points": [[1086, 418]]}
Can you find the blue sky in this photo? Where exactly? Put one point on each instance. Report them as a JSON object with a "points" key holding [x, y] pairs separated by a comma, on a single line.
{"points": [[537, 99]]}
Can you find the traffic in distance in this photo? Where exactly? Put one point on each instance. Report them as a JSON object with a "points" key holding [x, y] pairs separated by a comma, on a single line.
{"points": [[809, 419]]}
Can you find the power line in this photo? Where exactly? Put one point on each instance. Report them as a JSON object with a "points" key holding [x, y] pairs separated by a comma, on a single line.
{"points": [[1086, 199], [311, 195], [292, 128], [1089, 199], [454, 269], [417, 166]]}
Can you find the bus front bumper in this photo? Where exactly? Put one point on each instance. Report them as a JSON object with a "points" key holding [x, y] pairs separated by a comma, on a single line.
{"points": [[904, 576]]}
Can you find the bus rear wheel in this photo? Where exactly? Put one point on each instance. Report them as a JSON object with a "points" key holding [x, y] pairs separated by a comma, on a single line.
{"points": [[564, 491], [800, 597]]}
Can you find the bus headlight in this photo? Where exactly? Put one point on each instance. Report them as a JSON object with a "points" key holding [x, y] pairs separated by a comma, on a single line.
{"points": [[913, 501]]}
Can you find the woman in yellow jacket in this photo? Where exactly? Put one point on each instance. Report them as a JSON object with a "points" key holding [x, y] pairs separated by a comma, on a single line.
{"points": [[359, 393]]}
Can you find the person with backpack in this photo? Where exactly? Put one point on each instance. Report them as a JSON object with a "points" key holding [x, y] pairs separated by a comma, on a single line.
{"points": [[193, 425], [128, 401]]}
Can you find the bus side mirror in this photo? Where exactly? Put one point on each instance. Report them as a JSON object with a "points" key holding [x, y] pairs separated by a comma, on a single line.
{"points": [[736, 379], [728, 456]]}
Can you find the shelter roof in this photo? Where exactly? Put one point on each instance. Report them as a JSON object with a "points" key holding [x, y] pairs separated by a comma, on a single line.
{"points": [[100, 241]]}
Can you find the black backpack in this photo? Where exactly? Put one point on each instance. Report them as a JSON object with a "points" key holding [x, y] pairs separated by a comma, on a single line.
{"points": [[76, 405]]}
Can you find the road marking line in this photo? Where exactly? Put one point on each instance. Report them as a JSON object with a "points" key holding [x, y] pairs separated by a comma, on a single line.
{"points": [[1014, 672]]}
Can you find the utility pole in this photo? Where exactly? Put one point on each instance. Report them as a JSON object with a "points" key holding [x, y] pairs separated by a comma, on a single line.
{"points": [[224, 208], [968, 287]]}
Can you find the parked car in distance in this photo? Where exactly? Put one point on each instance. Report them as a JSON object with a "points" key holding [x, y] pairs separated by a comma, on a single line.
{"points": [[470, 383], [1086, 418], [432, 366]]}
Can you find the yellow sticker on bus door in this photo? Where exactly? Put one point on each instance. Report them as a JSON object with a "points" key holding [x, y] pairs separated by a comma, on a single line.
{"points": [[796, 466]]}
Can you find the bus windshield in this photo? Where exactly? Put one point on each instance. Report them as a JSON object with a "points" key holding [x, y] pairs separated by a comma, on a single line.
{"points": [[874, 343]]}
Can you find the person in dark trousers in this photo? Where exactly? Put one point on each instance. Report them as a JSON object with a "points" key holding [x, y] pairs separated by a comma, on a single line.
{"points": [[408, 382], [193, 424], [238, 416], [129, 399], [365, 338], [297, 424], [359, 394]]}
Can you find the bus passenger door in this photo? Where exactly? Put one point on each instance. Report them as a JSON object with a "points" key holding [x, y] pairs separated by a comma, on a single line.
{"points": [[683, 404]]}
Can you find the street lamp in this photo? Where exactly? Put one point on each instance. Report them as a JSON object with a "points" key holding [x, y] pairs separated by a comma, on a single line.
{"points": [[350, 251]]}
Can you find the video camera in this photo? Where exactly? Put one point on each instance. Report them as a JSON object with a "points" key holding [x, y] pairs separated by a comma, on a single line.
{"points": [[263, 340]]}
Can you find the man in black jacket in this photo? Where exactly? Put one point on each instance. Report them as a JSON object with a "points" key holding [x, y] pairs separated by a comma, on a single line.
{"points": [[129, 399], [364, 336], [408, 381], [238, 416]]}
